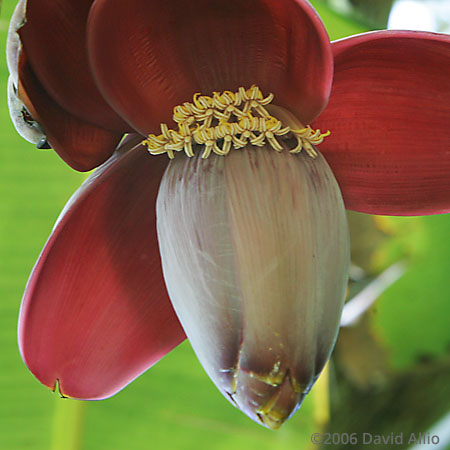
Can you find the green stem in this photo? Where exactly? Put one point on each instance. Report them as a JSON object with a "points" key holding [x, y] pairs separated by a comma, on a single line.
{"points": [[67, 424], [322, 398]]}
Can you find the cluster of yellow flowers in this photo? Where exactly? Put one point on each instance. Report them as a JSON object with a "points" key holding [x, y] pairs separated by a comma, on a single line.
{"points": [[228, 120]]}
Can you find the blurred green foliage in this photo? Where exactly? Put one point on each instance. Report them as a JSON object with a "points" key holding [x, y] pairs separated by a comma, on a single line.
{"points": [[175, 405], [413, 316]]}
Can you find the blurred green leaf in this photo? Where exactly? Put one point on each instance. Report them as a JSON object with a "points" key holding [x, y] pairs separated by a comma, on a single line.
{"points": [[376, 13], [338, 25], [413, 315]]}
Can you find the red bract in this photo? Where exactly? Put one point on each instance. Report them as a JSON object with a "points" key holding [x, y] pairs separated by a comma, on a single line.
{"points": [[389, 110], [96, 313]]}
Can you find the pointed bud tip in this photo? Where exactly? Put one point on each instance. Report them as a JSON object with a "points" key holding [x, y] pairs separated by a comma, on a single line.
{"points": [[266, 399]]}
